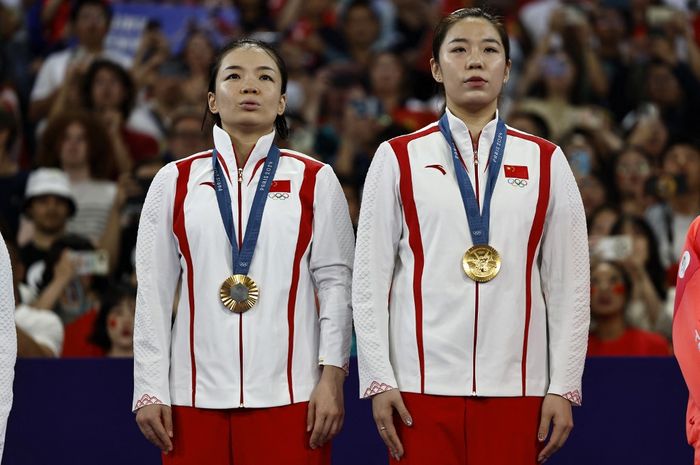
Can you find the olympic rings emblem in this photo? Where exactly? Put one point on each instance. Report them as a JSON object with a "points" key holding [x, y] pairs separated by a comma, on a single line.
{"points": [[278, 195], [517, 182]]}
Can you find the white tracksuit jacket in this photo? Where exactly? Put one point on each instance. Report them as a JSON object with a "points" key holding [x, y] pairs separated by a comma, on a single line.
{"points": [[8, 340], [270, 355], [422, 325]]}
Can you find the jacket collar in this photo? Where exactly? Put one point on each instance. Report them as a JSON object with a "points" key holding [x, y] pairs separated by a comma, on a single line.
{"points": [[222, 142], [464, 140]]}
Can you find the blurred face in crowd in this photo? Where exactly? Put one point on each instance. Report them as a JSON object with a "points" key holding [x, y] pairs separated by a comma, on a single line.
{"points": [[199, 53], [640, 243], [248, 91], [581, 155], [602, 222], [49, 213], [386, 74], [558, 72], [684, 159], [662, 86], [361, 27], [525, 123], [609, 26], [608, 291], [632, 170], [107, 90], [91, 26], [74, 147], [120, 326], [186, 138], [472, 65], [592, 193]]}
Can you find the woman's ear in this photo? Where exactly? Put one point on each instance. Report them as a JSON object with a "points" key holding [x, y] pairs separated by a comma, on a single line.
{"points": [[435, 69], [211, 101]]}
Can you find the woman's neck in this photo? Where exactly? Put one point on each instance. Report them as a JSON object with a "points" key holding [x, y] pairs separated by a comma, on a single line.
{"points": [[475, 119], [610, 328], [244, 140], [120, 352], [78, 173]]}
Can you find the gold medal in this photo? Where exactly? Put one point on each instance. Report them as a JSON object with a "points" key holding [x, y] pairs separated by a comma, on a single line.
{"points": [[481, 263], [239, 293]]}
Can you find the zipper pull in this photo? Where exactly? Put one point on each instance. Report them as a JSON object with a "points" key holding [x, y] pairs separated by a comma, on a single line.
{"points": [[240, 174]]}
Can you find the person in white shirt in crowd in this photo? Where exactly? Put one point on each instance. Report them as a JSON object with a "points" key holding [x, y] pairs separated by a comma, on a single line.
{"points": [[39, 332], [250, 348], [8, 340], [89, 20], [471, 347]]}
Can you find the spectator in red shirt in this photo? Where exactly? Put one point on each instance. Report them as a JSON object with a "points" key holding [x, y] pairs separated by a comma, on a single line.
{"points": [[611, 335]]}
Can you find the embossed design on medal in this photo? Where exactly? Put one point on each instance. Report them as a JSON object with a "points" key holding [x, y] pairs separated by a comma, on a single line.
{"points": [[239, 293], [481, 263]]}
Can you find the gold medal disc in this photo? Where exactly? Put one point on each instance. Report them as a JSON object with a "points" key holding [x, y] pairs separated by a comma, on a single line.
{"points": [[481, 263], [239, 293]]}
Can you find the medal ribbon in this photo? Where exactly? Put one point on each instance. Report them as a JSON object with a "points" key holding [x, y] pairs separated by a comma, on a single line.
{"points": [[241, 259], [478, 221]]}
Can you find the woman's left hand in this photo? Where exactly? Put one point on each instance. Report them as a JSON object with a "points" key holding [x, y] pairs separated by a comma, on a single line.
{"points": [[326, 410], [556, 410]]}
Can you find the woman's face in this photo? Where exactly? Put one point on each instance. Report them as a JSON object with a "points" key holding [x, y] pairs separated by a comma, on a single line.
{"points": [[607, 291], [248, 92], [603, 222], [199, 53], [558, 72], [631, 172], [120, 325], [640, 243], [74, 147], [592, 193], [472, 65], [107, 90]]}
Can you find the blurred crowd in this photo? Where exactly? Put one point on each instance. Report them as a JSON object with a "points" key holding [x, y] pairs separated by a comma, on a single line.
{"points": [[84, 128]]}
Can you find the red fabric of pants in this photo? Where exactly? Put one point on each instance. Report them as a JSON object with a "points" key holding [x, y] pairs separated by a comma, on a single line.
{"points": [[243, 437], [470, 430]]}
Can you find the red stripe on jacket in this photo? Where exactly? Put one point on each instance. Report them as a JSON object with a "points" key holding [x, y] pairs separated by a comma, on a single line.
{"points": [[180, 231], [306, 198], [400, 147], [546, 151]]}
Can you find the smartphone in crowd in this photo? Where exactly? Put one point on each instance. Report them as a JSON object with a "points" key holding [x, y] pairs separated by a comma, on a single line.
{"points": [[91, 262], [612, 248]]}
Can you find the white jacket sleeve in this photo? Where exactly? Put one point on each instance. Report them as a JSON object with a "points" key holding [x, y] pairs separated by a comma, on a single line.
{"points": [[331, 267], [565, 275], [8, 340], [157, 272], [378, 237]]}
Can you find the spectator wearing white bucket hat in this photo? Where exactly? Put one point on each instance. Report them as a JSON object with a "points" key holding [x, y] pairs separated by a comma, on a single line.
{"points": [[48, 203]]}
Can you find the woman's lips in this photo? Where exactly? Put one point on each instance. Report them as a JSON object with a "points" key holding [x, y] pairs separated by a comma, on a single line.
{"points": [[249, 105]]}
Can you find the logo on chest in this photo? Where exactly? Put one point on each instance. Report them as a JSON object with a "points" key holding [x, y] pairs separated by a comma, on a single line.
{"points": [[516, 175], [280, 190]]}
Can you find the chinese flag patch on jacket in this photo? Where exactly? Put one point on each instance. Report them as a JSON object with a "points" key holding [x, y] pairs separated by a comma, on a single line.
{"points": [[281, 186], [515, 171]]}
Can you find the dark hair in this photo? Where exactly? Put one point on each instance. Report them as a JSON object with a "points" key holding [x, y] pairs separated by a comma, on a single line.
{"points": [[450, 20], [537, 120], [100, 152], [8, 122], [280, 122], [124, 79], [113, 297], [79, 4], [366, 4], [653, 265]]}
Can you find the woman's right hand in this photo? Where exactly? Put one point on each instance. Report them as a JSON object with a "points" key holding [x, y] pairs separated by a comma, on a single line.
{"points": [[383, 406], [156, 423]]}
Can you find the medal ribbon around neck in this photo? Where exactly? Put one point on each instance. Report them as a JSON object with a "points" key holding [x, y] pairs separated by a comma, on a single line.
{"points": [[241, 259], [478, 221]]}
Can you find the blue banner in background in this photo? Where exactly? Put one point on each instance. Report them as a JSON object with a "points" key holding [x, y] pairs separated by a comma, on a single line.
{"points": [[130, 20]]}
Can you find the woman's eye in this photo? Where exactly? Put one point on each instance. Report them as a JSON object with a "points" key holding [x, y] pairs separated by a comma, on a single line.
{"points": [[491, 50], [266, 77], [458, 50], [231, 76]]}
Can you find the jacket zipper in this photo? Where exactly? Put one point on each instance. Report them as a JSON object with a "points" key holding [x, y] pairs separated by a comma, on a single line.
{"points": [[475, 148], [240, 244]]}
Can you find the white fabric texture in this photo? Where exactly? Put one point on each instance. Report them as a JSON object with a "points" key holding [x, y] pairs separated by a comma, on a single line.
{"points": [[44, 326], [471, 338], [8, 340], [304, 250]]}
